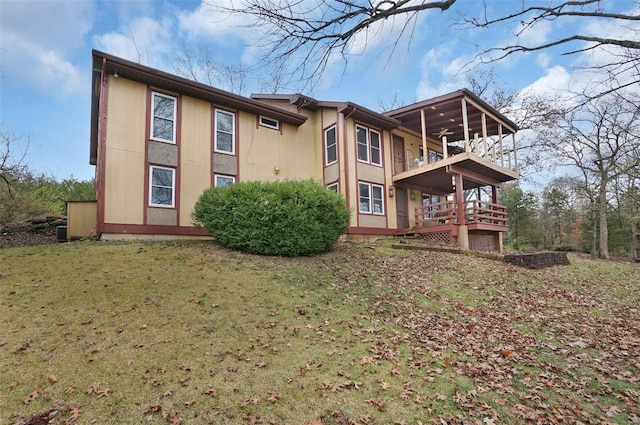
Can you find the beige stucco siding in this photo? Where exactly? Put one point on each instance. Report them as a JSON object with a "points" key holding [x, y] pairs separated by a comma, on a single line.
{"points": [[125, 152], [268, 154], [195, 154]]}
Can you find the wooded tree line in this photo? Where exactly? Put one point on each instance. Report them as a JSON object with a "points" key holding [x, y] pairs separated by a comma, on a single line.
{"points": [[26, 193], [563, 217]]}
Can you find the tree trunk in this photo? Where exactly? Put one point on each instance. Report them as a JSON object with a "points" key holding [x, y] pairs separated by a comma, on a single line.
{"points": [[604, 229], [594, 232], [634, 241]]}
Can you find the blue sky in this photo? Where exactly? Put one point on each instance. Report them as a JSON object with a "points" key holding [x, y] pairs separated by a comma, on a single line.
{"points": [[46, 62]]}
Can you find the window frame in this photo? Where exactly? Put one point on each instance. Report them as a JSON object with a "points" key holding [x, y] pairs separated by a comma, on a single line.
{"points": [[334, 186], [152, 136], [262, 123], [379, 147], [371, 199], [333, 146], [173, 187], [369, 146], [233, 132], [222, 176]]}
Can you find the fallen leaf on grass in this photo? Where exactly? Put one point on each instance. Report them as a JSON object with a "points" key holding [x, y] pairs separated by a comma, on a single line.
{"points": [[211, 391], [32, 396], [378, 404]]}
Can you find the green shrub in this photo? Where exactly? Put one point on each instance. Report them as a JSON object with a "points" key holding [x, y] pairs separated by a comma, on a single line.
{"points": [[287, 218]]}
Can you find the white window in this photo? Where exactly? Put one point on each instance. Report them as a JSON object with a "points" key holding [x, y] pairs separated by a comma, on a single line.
{"points": [[330, 146], [368, 145], [333, 187], [376, 149], [163, 122], [162, 187], [434, 156], [225, 132], [370, 198], [222, 181], [362, 142], [269, 122]]}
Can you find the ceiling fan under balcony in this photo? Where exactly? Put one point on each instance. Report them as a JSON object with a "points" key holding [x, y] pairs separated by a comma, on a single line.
{"points": [[443, 132]]}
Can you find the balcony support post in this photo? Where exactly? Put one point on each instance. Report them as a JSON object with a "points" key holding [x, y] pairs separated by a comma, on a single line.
{"points": [[423, 125], [445, 151], [500, 145], [465, 125], [515, 152], [484, 136]]}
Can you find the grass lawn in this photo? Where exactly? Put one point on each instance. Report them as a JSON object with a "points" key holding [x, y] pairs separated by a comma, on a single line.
{"points": [[136, 333]]}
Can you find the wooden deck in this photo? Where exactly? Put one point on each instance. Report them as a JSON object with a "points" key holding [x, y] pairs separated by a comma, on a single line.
{"points": [[444, 216]]}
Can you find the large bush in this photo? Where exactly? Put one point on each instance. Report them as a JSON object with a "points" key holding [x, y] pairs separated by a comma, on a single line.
{"points": [[288, 218]]}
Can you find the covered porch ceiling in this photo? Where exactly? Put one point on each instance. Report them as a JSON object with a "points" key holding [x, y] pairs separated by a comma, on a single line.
{"points": [[444, 115], [436, 178]]}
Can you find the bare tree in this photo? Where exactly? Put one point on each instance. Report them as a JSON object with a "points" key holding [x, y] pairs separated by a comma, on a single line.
{"points": [[308, 34], [13, 163], [198, 63], [602, 141], [620, 69]]}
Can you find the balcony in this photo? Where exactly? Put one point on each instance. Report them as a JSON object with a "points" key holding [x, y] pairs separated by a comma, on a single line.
{"points": [[457, 134], [477, 215]]}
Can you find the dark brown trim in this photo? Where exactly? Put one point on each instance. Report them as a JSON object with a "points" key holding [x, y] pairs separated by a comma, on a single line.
{"points": [[147, 136], [101, 138], [176, 143], [178, 170], [144, 229], [342, 122]]}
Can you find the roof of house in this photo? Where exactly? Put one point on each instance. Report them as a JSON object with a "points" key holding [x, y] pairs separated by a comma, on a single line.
{"points": [[349, 109], [105, 63], [444, 114]]}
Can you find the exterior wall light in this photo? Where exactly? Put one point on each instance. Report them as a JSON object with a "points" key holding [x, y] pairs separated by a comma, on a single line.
{"points": [[392, 191]]}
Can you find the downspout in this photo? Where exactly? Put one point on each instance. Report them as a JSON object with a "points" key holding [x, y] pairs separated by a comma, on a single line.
{"points": [[345, 147], [100, 164]]}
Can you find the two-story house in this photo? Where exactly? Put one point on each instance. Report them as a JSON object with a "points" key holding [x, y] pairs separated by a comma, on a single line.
{"points": [[159, 140]]}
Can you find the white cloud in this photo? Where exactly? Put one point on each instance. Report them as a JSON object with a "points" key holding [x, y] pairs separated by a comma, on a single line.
{"points": [[206, 21], [556, 80], [143, 40], [534, 35], [37, 40], [543, 60], [441, 72]]}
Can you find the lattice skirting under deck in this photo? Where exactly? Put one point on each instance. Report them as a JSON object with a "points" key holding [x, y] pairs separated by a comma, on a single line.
{"points": [[484, 243], [439, 238]]}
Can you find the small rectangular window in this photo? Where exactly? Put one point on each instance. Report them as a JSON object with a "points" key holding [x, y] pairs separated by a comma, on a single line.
{"points": [[330, 146], [434, 156], [376, 149], [269, 122], [370, 198], [377, 199], [364, 198], [225, 132], [162, 187], [222, 181], [368, 145], [333, 187], [163, 126], [362, 144]]}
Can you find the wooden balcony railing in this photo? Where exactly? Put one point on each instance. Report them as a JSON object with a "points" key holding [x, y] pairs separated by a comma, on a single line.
{"points": [[475, 212], [485, 212]]}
